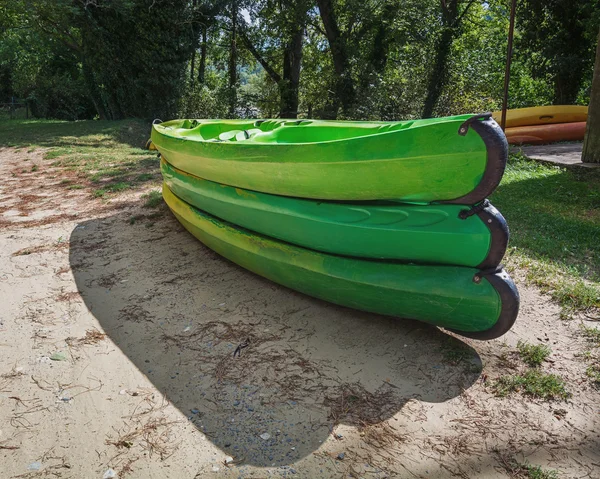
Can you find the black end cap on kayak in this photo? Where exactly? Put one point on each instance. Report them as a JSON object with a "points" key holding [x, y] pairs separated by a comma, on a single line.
{"points": [[497, 156], [499, 236], [499, 233], [509, 300]]}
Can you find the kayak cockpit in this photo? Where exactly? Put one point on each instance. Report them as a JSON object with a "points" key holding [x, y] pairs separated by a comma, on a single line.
{"points": [[276, 131]]}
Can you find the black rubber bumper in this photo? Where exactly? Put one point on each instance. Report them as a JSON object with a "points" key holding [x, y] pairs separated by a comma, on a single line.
{"points": [[509, 299], [497, 156]]}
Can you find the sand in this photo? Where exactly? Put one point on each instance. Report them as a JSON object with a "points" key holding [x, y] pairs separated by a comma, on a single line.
{"points": [[117, 359]]}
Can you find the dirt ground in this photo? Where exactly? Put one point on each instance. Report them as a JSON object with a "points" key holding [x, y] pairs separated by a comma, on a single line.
{"points": [[117, 339]]}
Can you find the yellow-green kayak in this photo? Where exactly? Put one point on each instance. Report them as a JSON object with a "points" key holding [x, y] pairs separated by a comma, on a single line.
{"points": [[457, 159]]}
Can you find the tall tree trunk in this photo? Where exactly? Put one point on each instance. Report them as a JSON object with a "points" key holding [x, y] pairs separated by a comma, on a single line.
{"points": [[202, 66], [344, 85], [591, 144], [93, 92], [451, 21], [439, 73], [193, 67], [233, 60], [288, 86], [116, 113], [194, 44]]}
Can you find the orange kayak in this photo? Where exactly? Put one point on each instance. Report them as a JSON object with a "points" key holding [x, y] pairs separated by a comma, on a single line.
{"points": [[539, 134]]}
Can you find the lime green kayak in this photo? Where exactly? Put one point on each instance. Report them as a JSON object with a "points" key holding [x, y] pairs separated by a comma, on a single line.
{"points": [[457, 159], [483, 305], [442, 234]]}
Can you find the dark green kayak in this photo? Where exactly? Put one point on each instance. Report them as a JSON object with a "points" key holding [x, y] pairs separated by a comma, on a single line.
{"points": [[457, 159], [482, 305], [439, 234]]}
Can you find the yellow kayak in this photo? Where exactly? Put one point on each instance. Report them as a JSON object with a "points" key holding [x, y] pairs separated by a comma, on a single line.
{"points": [[543, 115]]}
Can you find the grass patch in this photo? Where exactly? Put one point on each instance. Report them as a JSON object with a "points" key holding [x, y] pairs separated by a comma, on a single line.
{"points": [[533, 354], [105, 154], [593, 370], [533, 383], [536, 472], [554, 217], [591, 334], [153, 199], [593, 373]]}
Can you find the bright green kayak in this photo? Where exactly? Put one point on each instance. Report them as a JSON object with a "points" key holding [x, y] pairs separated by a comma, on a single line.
{"points": [[442, 234], [457, 159], [483, 305]]}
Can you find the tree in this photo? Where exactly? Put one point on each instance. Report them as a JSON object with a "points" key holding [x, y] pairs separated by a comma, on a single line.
{"points": [[288, 21], [344, 85], [452, 15], [130, 55], [558, 39], [591, 145]]}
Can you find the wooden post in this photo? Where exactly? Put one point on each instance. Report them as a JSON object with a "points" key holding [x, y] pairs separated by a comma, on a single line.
{"points": [[511, 29], [591, 143]]}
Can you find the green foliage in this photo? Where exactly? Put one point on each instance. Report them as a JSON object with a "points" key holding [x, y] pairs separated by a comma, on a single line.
{"points": [[532, 383], [74, 60], [385, 61], [557, 40], [533, 354]]}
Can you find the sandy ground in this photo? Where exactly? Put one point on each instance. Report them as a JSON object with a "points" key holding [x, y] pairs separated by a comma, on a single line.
{"points": [[116, 360]]}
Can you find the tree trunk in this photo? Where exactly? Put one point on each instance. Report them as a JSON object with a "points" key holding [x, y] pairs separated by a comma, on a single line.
{"points": [[233, 60], [116, 113], [344, 85], [439, 73], [92, 88], [288, 86], [591, 144], [193, 67], [194, 44], [202, 66], [451, 21]]}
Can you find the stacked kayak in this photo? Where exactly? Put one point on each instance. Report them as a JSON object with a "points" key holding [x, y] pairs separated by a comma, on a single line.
{"points": [[386, 217], [545, 124]]}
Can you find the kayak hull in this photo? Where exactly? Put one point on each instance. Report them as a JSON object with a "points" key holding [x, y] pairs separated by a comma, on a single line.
{"points": [[421, 161], [543, 115], [540, 134], [483, 305], [437, 234]]}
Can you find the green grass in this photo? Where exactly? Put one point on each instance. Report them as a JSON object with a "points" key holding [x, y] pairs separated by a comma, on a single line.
{"points": [[153, 199], [593, 370], [536, 472], [533, 354], [593, 373], [533, 383], [591, 334], [554, 218], [106, 155]]}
